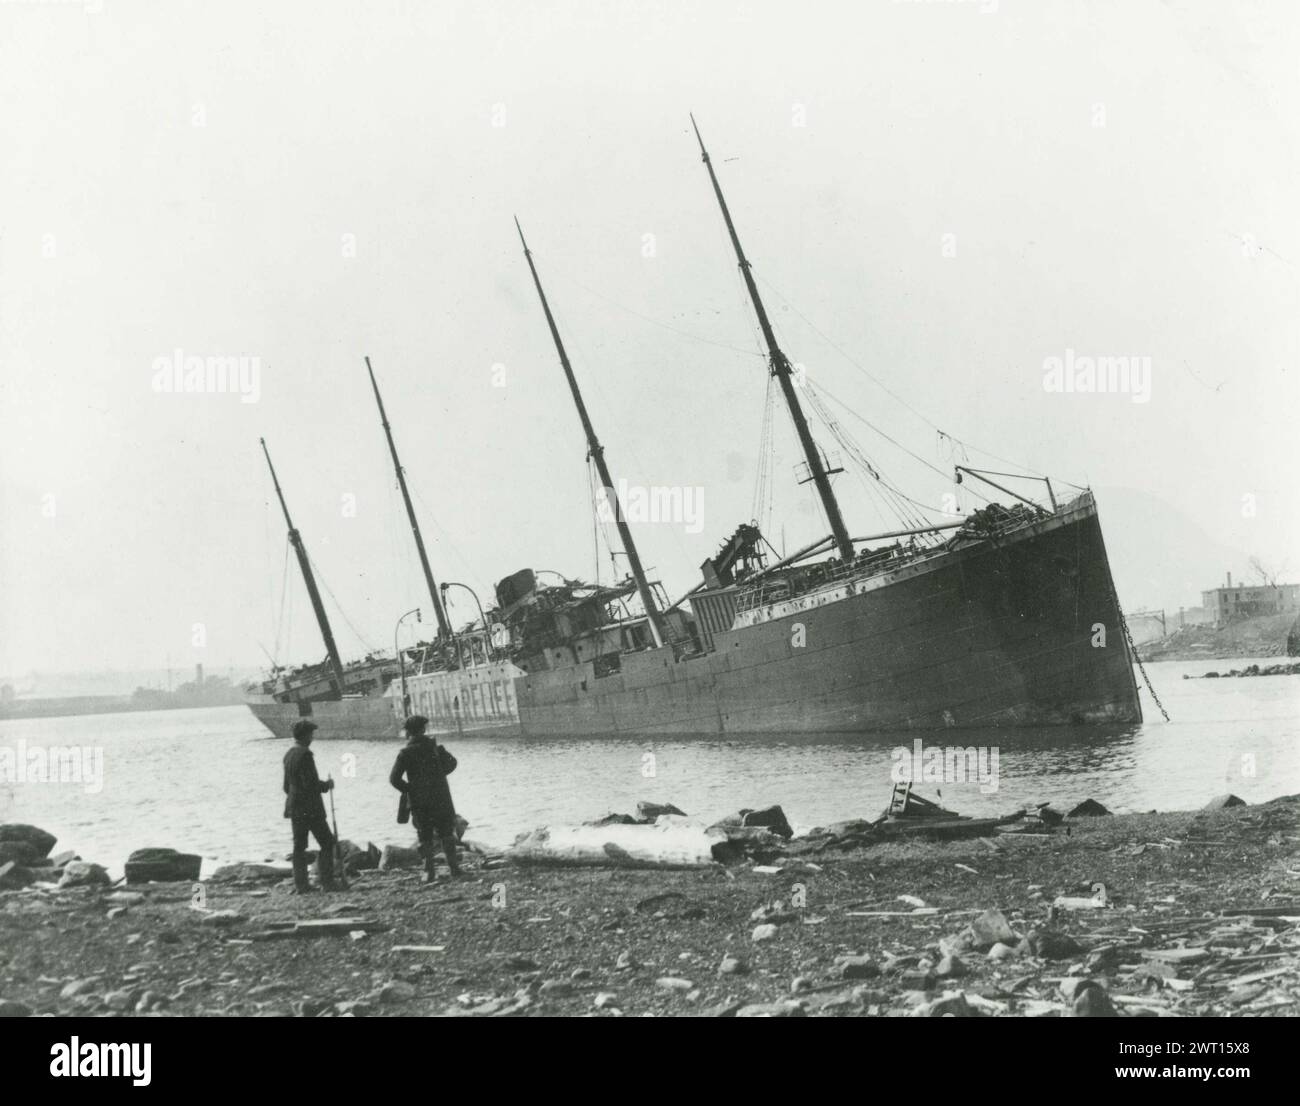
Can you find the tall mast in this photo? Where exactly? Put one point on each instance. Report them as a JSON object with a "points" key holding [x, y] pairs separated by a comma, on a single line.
{"points": [[781, 370], [597, 453], [295, 539], [444, 627]]}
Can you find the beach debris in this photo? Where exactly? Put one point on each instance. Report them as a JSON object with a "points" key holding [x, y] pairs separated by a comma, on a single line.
{"points": [[664, 845], [604, 1000], [1177, 955], [81, 873], [668, 904], [951, 1004], [1224, 802], [355, 859], [733, 965], [76, 987], [314, 927], [399, 856], [250, 873], [763, 933], [11, 1008], [769, 1010], [1086, 998], [989, 929], [950, 967], [1089, 808], [1079, 902], [417, 948], [162, 865], [856, 967], [122, 1000], [777, 912], [674, 983], [395, 990], [220, 919], [1052, 944]]}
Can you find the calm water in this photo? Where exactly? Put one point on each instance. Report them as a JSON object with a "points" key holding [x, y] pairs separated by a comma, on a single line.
{"points": [[208, 781]]}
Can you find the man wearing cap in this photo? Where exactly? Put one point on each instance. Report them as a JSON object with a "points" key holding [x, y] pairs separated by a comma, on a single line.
{"points": [[420, 773], [305, 808]]}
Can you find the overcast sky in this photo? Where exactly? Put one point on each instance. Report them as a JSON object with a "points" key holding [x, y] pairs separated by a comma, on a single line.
{"points": [[936, 198]]}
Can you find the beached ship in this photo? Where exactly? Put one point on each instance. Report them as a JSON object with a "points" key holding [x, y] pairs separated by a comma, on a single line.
{"points": [[344, 700], [1007, 617]]}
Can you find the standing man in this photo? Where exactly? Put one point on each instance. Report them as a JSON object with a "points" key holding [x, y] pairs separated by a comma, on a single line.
{"points": [[303, 804], [420, 773]]}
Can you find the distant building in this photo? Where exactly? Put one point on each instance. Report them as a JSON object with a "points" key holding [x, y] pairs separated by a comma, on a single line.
{"points": [[1228, 603]]}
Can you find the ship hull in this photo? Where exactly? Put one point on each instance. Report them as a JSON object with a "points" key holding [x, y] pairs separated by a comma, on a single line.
{"points": [[358, 719], [478, 699], [1021, 632]]}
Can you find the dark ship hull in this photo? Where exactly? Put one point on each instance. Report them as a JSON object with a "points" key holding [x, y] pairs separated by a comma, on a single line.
{"points": [[359, 718], [1017, 630]]}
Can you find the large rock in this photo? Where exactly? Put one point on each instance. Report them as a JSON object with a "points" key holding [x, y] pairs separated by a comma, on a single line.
{"points": [[162, 866], [38, 838], [14, 876], [1223, 802], [81, 873], [746, 843], [20, 852], [773, 818], [1089, 808], [648, 812], [612, 820]]}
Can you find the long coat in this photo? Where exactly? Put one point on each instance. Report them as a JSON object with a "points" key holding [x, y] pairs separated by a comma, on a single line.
{"points": [[302, 785], [420, 772]]}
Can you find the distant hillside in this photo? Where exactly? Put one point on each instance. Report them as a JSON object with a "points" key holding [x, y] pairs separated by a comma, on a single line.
{"points": [[1251, 637]]}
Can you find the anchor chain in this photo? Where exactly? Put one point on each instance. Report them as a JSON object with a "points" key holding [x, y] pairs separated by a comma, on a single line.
{"points": [[1141, 667]]}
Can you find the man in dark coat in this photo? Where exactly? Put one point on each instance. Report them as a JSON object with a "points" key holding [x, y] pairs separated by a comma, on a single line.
{"points": [[304, 806], [420, 773]]}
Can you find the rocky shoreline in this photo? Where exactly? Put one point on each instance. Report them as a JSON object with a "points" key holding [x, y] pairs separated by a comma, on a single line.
{"points": [[1181, 914]]}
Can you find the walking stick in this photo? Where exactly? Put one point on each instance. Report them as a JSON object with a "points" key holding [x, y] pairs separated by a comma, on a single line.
{"points": [[339, 874]]}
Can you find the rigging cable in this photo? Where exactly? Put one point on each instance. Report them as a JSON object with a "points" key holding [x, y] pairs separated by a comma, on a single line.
{"points": [[889, 391], [365, 644]]}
